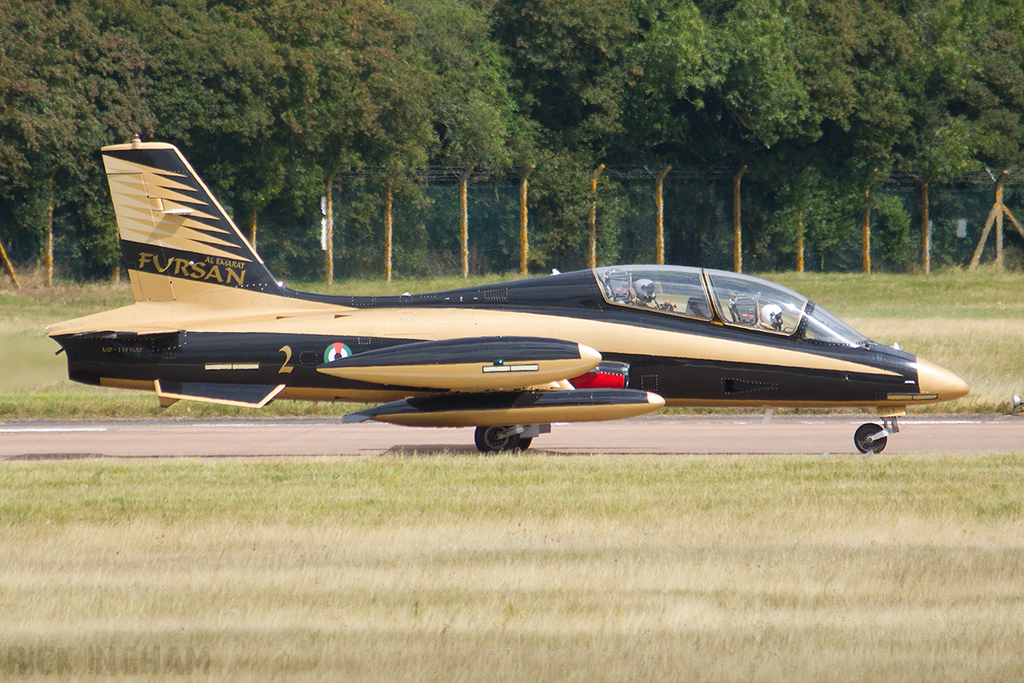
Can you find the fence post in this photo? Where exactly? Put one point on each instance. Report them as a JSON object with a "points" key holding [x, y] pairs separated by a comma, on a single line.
{"points": [[592, 259], [524, 238], [10, 268], [800, 244], [926, 232], [999, 222], [328, 231], [865, 232], [995, 216], [659, 202], [737, 236], [252, 229], [464, 215], [48, 221], [1009, 214], [387, 230]]}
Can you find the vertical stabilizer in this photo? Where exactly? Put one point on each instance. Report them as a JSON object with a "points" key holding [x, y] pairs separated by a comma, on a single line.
{"points": [[177, 241]]}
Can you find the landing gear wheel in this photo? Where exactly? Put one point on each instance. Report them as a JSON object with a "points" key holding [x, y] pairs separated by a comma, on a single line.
{"points": [[524, 442], [865, 440], [490, 439]]}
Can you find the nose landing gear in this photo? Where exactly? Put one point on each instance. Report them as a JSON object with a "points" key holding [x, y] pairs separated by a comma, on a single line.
{"points": [[872, 438]]}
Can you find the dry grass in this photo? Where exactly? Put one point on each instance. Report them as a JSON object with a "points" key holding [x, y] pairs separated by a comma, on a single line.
{"points": [[522, 569]]}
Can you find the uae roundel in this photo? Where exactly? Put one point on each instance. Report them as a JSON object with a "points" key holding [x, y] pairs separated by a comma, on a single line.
{"points": [[335, 351]]}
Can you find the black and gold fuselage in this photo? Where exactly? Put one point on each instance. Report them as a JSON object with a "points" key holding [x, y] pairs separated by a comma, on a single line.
{"points": [[210, 323], [686, 361]]}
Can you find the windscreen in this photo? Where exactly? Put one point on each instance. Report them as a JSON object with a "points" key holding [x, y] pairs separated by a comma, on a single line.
{"points": [[739, 301], [824, 327], [746, 301], [670, 289]]}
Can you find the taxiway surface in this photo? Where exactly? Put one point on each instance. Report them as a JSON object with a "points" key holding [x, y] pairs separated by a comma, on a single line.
{"points": [[746, 434]]}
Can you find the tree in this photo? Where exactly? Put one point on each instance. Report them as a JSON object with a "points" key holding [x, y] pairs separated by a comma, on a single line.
{"points": [[471, 108], [68, 84], [721, 80], [355, 90], [570, 67], [215, 88], [570, 70]]}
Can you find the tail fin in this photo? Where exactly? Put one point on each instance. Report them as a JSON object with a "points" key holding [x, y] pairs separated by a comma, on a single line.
{"points": [[177, 241]]}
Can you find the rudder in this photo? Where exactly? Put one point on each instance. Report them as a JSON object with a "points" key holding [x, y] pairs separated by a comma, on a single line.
{"points": [[177, 240]]}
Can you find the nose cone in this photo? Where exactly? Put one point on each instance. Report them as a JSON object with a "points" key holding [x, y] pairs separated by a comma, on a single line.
{"points": [[933, 379]]}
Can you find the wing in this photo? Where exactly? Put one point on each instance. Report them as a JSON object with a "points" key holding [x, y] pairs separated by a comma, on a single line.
{"points": [[490, 381], [470, 364], [515, 407]]}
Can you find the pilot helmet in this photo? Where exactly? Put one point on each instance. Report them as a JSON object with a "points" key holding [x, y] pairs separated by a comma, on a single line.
{"points": [[772, 313], [644, 290]]}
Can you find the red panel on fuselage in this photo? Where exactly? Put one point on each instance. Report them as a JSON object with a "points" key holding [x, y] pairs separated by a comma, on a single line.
{"points": [[599, 380]]}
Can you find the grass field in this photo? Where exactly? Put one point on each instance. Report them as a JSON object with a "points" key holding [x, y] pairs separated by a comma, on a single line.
{"points": [[972, 323], [525, 568], [521, 568]]}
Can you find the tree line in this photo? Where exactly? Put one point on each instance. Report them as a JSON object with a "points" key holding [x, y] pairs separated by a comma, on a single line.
{"points": [[274, 100]]}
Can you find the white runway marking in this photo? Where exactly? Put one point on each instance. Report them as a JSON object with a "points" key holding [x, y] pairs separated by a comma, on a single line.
{"points": [[52, 430], [230, 425]]}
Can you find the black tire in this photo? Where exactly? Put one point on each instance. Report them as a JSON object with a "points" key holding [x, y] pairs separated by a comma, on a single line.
{"points": [[524, 443], [488, 441], [860, 439]]}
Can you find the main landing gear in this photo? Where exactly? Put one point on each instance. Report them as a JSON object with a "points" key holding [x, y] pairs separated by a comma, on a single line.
{"points": [[509, 438], [872, 438]]}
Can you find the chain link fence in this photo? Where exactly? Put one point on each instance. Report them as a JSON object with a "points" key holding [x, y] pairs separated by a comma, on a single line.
{"points": [[698, 226]]}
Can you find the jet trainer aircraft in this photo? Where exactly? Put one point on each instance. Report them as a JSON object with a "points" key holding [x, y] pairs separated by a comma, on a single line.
{"points": [[210, 323]]}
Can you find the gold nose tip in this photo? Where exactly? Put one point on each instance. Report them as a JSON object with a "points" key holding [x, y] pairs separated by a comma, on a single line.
{"points": [[933, 379]]}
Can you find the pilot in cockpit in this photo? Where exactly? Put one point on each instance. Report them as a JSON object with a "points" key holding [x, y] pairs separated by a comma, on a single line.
{"points": [[771, 317], [753, 311], [646, 293]]}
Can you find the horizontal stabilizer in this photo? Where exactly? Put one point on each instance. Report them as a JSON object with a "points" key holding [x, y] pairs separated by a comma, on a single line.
{"points": [[244, 395], [525, 407], [470, 364]]}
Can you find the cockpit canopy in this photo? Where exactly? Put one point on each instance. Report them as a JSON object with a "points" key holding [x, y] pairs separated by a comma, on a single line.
{"points": [[731, 298]]}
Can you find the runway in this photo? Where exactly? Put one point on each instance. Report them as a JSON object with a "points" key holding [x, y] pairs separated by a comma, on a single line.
{"points": [[746, 434]]}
